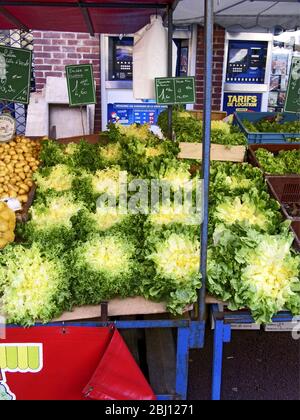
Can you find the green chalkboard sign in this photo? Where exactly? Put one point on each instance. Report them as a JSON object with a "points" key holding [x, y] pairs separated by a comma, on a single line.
{"points": [[292, 102], [81, 85], [15, 74], [175, 90]]}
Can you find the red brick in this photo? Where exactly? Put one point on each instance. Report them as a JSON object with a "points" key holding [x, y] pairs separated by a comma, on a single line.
{"points": [[68, 35], [68, 49], [59, 42], [84, 50], [52, 35], [37, 34], [37, 48], [44, 67], [53, 61], [39, 75], [73, 42], [83, 36], [51, 48], [91, 43], [75, 56], [59, 68], [53, 74], [38, 61], [42, 42], [59, 55]]}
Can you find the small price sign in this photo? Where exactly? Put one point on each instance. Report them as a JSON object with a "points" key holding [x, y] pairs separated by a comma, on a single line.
{"points": [[292, 103], [15, 74], [175, 90], [81, 85]]}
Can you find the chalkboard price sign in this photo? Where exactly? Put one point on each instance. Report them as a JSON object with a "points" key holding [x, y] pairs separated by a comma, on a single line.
{"points": [[292, 103], [175, 90], [81, 85], [15, 74]]}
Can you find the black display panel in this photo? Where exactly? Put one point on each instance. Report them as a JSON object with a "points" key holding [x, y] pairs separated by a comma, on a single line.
{"points": [[120, 59]]}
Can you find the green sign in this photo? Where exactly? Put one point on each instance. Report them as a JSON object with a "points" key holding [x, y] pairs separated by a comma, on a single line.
{"points": [[15, 74], [81, 85], [292, 102], [175, 90]]}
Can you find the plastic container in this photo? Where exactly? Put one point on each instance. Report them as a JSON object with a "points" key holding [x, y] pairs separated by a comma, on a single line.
{"points": [[273, 148], [263, 138], [286, 190]]}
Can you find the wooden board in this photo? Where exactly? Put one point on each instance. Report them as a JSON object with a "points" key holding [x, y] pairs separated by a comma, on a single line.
{"points": [[116, 307], [218, 152]]}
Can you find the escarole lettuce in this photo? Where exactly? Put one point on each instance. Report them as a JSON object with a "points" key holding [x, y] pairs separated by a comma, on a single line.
{"points": [[176, 174], [170, 213], [111, 154], [109, 181], [58, 178], [57, 212], [256, 271], [34, 285], [104, 267], [245, 210], [174, 259]]}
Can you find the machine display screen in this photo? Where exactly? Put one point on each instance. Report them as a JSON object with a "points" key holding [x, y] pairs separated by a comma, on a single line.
{"points": [[247, 62], [120, 59]]}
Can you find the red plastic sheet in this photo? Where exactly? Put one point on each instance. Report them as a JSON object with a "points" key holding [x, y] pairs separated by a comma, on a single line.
{"points": [[55, 363], [69, 19]]}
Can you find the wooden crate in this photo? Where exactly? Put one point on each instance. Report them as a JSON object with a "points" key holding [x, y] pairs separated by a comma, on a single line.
{"points": [[218, 152], [215, 115]]}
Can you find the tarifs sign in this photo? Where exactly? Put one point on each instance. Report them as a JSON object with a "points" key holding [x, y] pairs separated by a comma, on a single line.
{"points": [[242, 102], [15, 74]]}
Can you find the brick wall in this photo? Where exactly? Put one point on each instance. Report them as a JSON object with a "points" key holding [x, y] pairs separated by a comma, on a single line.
{"points": [[54, 50], [218, 50]]}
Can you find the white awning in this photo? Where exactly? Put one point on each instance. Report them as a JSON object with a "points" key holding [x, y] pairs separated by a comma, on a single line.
{"points": [[243, 14]]}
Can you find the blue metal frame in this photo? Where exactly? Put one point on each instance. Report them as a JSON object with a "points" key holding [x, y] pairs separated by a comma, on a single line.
{"points": [[222, 335]]}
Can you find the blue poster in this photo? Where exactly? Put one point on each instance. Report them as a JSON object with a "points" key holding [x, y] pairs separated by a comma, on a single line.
{"points": [[247, 62], [235, 101], [128, 114]]}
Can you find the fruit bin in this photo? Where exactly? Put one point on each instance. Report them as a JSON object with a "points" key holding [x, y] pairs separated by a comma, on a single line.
{"points": [[273, 148], [269, 138], [286, 190]]}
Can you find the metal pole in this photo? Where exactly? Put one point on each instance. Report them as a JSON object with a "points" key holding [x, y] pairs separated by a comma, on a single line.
{"points": [[209, 30], [170, 67]]}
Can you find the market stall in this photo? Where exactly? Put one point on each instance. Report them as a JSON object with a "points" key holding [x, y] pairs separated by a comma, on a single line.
{"points": [[127, 16], [240, 221]]}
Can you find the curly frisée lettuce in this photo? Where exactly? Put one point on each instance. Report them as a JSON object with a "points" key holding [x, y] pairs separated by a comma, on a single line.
{"points": [[109, 181], [254, 271], [103, 268], [34, 286], [176, 277], [170, 214], [248, 210], [57, 212], [58, 178], [111, 154], [176, 174]]}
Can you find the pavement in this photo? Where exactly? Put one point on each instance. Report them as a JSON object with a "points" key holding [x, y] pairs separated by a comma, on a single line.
{"points": [[257, 366]]}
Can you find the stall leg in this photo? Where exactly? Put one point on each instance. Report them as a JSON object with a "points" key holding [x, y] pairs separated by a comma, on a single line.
{"points": [[182, 363], [222, 335]]}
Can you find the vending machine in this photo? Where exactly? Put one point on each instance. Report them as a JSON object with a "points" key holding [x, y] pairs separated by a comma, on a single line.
{"points": [[117, 99], [247, 68]]}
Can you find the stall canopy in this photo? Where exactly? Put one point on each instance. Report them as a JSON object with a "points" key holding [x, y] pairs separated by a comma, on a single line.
{"points": [[243, 14], [93, 16]]}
